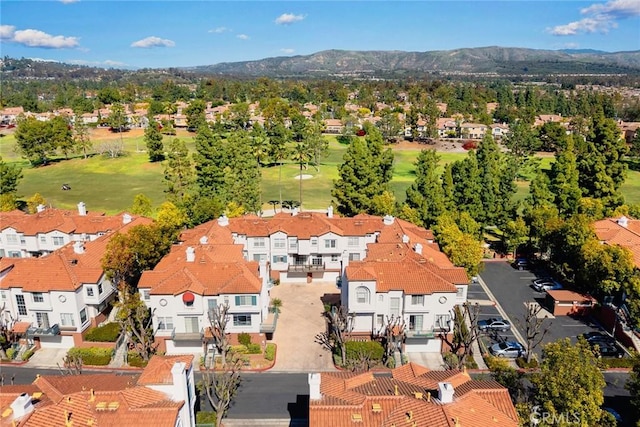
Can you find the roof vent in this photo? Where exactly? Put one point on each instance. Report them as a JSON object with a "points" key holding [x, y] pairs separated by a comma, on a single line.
{"points": [[623, 221], [126, 218], [204, 240], [40, 208], [405, 238], [388, 220], [330, 212], [78, 247], [418, 248], [314, 386], [223, 221], [294, 212], [445, 392]]}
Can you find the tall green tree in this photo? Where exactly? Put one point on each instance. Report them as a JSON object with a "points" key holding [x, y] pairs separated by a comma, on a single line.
{"points": [[521, 142], [211, 158], [35, 140], [178, 171], [426, 194], [279, 138], [467, 186], [153, 141], [10, 176], [565, 180], [365, 173], [195, 114], [570, 383], [242, 175], [141, 205], [600, 163], [81, 136], [117, 119]]}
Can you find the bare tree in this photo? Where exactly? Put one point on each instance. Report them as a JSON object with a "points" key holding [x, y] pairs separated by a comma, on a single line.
{"points": [[221, 387], [7, 336], [339, 327], [136, 319], [113, 148], [465, 334], [71, 365], [534, 328], [218, 319], [392, 334]]}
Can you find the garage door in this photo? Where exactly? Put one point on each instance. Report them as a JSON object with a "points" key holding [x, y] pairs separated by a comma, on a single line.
{"points": [[363, 323], [58, 341], [184, 347], [422, 345]]}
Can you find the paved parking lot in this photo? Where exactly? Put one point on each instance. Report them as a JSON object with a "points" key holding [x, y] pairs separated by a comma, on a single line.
{"points": [[512, 291]]}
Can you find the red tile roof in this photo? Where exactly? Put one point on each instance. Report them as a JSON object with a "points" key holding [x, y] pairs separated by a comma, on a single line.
{"points": [[158, 370], [409, 397], [612, 232]]}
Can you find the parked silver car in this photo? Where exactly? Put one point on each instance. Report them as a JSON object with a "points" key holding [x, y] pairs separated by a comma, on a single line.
{"points": [[542, 285], [507, 349]]}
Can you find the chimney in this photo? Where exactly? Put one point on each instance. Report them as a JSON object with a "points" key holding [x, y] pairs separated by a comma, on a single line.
{"points": [[405, 238], [191, 254], [418, 248], [82, 209], [78, 247], [126, 218], [204, 240], [330, 212], [388, 220], [223, 221], [22, 406], [294, 211], [623, 221], [445, 392], [41, 207], [314, 386], [263, 271]]}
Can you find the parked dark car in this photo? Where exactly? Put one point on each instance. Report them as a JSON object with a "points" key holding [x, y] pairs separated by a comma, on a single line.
{"points": [[603, 349], [598, 337], [521, 264], [507, 349], [494, 324]]}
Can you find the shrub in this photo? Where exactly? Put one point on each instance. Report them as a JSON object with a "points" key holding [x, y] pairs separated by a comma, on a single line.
{"points": [[254, 348], [372, 349], [470, 145], [244, 339], [470, 363], [270, 352], [625, 362], [106, 333], [522, 363], [134, 359], [10, 353], [239, 349], [206, 417], [27, 355], [92, 355]]}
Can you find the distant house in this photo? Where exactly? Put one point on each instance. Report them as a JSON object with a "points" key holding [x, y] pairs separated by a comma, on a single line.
{"points": [[411, 396], [499, 130], [333, 125], [473, 130]]}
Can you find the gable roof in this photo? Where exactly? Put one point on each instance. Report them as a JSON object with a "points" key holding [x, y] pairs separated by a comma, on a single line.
{"points": [[410, 395], [158, 370]]}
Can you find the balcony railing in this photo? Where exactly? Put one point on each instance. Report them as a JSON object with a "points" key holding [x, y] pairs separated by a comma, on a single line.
{"points": [[43, 332], [429, 333], [305, 268], [187, 336]]}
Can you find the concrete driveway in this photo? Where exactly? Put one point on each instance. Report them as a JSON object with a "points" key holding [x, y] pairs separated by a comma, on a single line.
{"points": [[299, 322]]}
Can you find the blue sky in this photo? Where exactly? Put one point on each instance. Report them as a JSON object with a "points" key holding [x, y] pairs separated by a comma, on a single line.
{"points": [[151, 33]]}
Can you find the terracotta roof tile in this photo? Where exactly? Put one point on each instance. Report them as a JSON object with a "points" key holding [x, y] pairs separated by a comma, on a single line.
{"points": [[612, 233], [158, 370]]}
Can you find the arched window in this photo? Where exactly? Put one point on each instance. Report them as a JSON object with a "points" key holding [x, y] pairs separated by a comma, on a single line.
{"points": [[362, 295]]}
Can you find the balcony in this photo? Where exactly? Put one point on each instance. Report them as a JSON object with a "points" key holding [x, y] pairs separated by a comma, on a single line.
{"points": [[412, 333], [43, 332], [305, 268], [187, 336]]}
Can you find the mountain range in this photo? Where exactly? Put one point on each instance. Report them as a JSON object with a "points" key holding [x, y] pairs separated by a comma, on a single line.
{"points": [[494, 60], [497, 60]]}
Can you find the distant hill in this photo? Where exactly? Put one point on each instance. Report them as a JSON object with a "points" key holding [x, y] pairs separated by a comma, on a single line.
{"points": [[498, 60]]}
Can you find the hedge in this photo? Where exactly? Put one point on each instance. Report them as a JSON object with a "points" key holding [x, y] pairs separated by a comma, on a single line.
{"points": [[611, 362], [270, 352], [371, 348], [92, 355], [134, 359], [522, 363], [106, 333], [254, 348], [27, 355]]}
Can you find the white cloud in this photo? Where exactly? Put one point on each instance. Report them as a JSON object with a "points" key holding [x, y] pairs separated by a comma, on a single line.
{"points": [[107, 63], [6, 32], [287, 50], [288, 18], [219, 30], [243, 37], [69, 1], [600, 17], [153, 41], [37, 38]]}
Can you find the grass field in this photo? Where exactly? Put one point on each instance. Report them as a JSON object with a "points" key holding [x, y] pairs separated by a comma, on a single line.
{"points": [[110, 185]]}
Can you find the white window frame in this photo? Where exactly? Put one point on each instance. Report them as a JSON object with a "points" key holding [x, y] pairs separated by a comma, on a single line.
{"points": [[83, 313], [417, 300], [37, 297], [90, 292], [12, 239], [353, 241], [67, 319], [363, 295], [165, 323], [330, 243], [58, 240], [245, 322], [279, 243], [259, 242]]}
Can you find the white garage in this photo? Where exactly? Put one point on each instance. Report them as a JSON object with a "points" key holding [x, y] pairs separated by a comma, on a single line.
{"points": [[55, 341], [422, 345]]}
